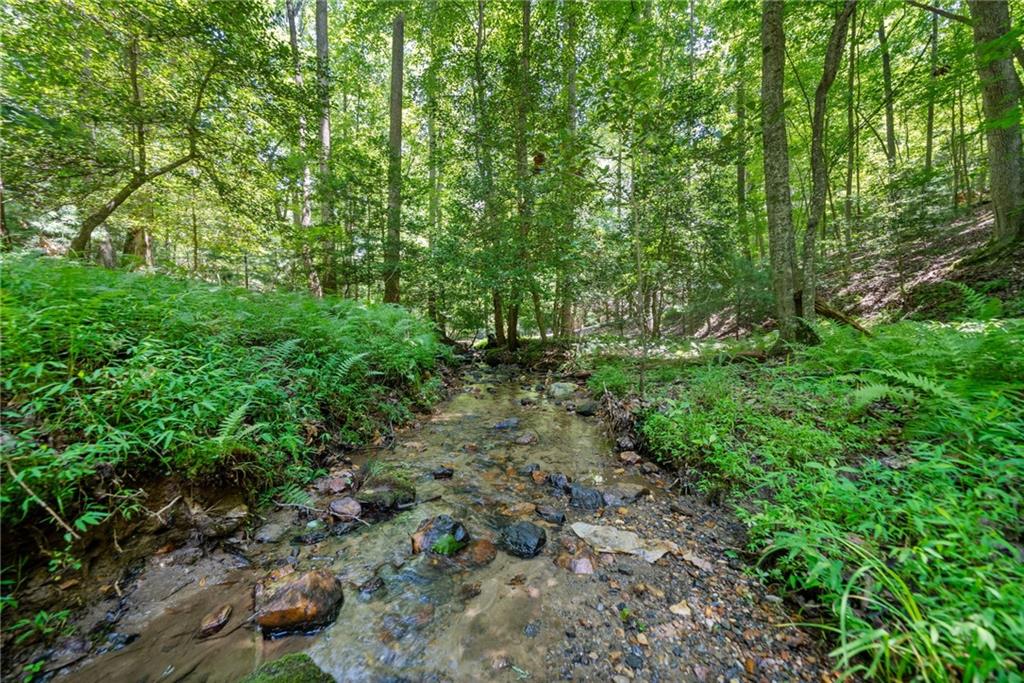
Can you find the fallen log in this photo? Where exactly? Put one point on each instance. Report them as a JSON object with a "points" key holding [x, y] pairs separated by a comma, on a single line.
{"points": [[822, 308]]}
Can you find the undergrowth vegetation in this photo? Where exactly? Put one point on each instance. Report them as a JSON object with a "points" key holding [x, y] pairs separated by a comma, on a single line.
{"points": [[111, 377], [879, 476]]}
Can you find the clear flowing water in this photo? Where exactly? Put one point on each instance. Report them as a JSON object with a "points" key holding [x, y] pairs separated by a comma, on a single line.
{"points": [[433, 618]]}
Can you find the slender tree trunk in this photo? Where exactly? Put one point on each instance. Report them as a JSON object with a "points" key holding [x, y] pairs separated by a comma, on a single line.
{"points": [[932, 84], [851, 134], [433, 188], [5, 233], [565, 288], [195, 234], [484, 162], [325, 189], [392, 252], [292, 9], [1001, 95], [499, 318], [741, 157], [890, 117], [819, 172], [525, 207], [776, 167]]}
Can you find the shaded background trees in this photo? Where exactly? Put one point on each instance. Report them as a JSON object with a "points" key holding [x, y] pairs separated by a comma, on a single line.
{"points": [[561, 163]]}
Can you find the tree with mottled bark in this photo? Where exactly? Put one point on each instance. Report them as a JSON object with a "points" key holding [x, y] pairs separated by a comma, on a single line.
{"points": [[393, 245], [781, 242]]}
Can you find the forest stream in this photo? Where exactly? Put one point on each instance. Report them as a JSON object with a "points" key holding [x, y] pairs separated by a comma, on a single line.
{"points": [[487, 458]]}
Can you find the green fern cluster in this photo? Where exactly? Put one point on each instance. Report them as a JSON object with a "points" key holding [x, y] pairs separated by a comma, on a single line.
{"points": [[110, 377], [883, 474]]}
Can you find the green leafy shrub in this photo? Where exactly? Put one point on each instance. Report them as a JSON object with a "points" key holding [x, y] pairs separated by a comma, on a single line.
{"points": [[111, 377], [882, 473]]}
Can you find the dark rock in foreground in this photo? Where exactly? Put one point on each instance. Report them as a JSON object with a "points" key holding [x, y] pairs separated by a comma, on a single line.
{"points": [[550, 514], [585, 497], [523, 539], [587, 408], [430, 531]]}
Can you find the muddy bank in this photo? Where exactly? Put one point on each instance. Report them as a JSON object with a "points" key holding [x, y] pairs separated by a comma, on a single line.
{"points": [[524, 589]]}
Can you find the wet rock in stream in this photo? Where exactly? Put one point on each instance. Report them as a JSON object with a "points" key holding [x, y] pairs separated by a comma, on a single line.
{"points": [[527, 470], [386, 495], [558, 481], [432, 532], [310, 601], [214, 621], [271, 533], [585, 498], [523, 539], [550, 514], [560, 391], [587, 408], [442, 472], [346, 508], [508, 423], [625, 494], [220, 524]]}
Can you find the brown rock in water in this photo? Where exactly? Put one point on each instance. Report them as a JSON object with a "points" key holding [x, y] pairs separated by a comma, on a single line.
{"points": [[629, 457], [519, 510], [219, 524], [527, 438], [310, 601], [538, 477], [334, 485], [345, 508], [214, 621], [478, 553]]}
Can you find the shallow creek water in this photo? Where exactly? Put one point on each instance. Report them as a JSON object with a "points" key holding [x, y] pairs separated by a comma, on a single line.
{"points": [[430, 620]]}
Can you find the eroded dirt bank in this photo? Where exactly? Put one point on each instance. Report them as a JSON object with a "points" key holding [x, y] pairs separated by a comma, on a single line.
{"points": [[510, 451]]}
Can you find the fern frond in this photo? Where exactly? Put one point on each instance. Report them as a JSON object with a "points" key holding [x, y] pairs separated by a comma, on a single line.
{"points": [[229, 428], [874, 391]]}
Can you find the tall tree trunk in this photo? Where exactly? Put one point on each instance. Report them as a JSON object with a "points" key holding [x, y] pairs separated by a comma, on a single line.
{"points": [[392, 251], [499, 318], [195, 234], [292, 9], [890, 117], [741, 157], [5, 233], [1001, 95], [525, 208], [851, 135], [929, 142], [819, 171], [326, 191], [781, 245], [433, 184], [565, 287], [484, 162]]}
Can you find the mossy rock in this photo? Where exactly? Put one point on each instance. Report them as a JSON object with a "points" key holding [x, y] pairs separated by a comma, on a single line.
{"points": [[386, 491], [294, 668]]}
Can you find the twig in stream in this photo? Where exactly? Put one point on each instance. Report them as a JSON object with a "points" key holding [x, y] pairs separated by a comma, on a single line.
{"points": [[406, 506], [299, 506]]}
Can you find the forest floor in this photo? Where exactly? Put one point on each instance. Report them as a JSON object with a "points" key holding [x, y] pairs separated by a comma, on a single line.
{"points": [[502, 451], [878, 282]]}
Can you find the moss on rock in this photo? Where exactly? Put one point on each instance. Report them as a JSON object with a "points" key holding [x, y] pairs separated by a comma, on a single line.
{"points": [[294, 668]]}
